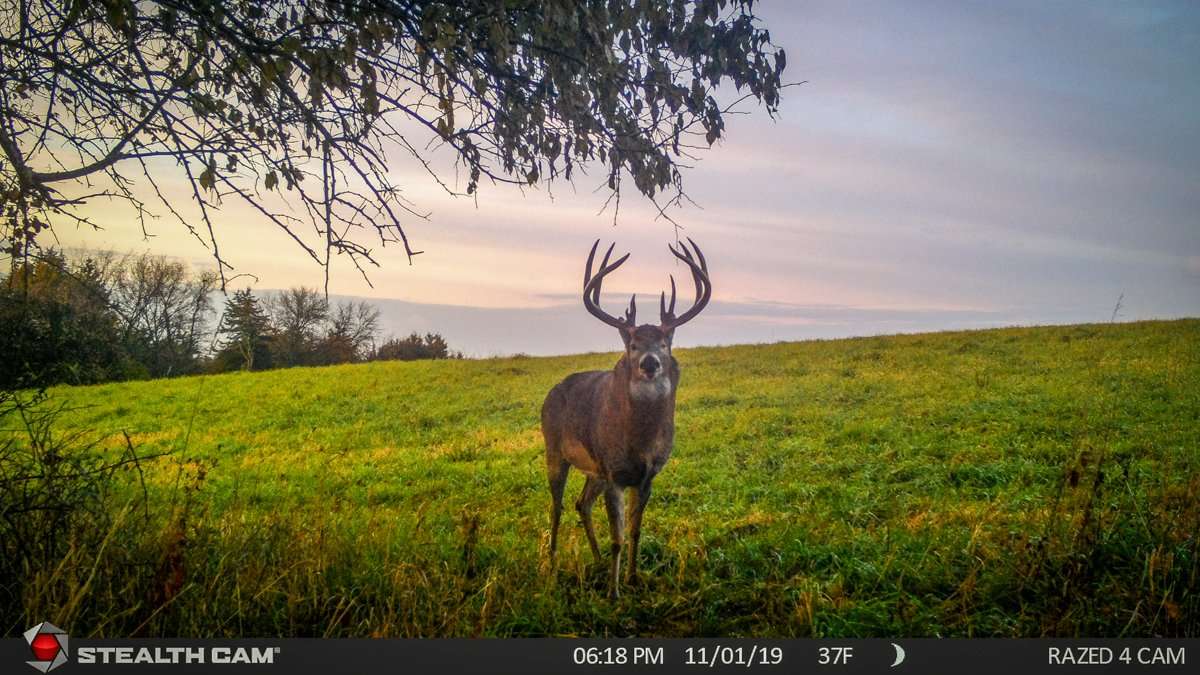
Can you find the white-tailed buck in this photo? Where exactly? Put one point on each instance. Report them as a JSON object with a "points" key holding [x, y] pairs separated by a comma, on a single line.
{"points": [[618, 426]]}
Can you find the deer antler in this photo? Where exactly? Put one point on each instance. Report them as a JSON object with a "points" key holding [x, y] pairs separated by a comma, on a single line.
{"points": [[591, 289], [699, 268]]}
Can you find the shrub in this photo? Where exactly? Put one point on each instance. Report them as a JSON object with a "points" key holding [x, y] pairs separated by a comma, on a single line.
{"points": [[60, 518], [414, 347]]}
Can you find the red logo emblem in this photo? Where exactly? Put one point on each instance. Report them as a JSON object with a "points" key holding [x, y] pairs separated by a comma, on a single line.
{"points": [[49, 646]]}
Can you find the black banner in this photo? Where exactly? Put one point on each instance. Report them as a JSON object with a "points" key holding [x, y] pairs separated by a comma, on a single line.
{"points": [[594, 657]]}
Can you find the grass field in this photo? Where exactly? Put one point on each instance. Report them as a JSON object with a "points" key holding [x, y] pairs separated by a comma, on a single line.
{"points": [[1022, 481]]}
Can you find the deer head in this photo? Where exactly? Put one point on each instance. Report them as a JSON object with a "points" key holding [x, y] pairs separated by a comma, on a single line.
{"points": [[647, 347]]}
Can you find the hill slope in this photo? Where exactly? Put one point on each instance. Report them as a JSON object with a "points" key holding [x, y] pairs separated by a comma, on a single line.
{"points": [[1020, 481]]}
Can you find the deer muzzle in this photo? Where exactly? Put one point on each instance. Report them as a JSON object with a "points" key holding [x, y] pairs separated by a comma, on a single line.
{"points": [[650, 366]]}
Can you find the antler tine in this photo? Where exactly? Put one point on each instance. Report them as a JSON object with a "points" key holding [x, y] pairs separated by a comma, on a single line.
{"points": [[686, 256], [700, 255], [631, 313], [592, 284], [671, 309], [603, 271], [699, 268], [663, 311], [587, 270]]}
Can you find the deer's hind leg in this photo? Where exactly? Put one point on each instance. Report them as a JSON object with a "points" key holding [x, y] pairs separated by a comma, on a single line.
{"points": [[556, 471], [591, 489]]}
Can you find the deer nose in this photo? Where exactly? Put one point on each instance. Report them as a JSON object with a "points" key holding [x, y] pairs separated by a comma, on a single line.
{"points": [[650, 364]]}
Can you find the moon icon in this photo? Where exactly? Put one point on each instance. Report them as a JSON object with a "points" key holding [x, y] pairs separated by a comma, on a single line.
{"points": [[899, 655]]}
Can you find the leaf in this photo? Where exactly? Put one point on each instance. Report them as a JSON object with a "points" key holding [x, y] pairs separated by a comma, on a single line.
{"points": [[208, 177]]}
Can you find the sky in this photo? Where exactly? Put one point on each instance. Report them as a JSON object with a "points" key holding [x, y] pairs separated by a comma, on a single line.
{"points": [[945, 165]]}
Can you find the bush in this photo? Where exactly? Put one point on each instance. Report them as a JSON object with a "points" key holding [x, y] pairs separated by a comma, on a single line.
{"points": [[60, 519], [414, 347], [55, 327]]}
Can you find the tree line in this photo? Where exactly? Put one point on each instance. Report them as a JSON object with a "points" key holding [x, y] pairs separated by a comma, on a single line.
{"points": [[104, 317]]}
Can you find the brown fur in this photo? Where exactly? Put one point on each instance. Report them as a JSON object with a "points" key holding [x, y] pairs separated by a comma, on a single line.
{"points": [[591, 421]]}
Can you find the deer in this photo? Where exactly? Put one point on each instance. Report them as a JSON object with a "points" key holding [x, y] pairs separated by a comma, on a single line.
{"points": [[617, 427]]}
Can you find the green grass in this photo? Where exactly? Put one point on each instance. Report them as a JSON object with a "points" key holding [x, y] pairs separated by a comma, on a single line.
{"points": [[1022, 481]]}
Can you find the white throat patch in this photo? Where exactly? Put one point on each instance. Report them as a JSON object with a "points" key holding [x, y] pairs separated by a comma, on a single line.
{"points": [[642, 390]]}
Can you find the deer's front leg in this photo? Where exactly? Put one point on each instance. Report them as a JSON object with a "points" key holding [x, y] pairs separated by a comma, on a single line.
{"points": [[642, 493], [614, 501], [591, 489]]}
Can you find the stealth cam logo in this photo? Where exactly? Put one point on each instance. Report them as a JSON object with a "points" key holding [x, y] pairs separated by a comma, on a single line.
{"points": [[49, 646]]}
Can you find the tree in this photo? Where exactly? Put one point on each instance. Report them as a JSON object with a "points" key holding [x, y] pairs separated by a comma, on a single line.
{"points": [[298, 316], [353, 327], [278, 103], [56, 325], [164, 311], [247, 332], [104, 317]]}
